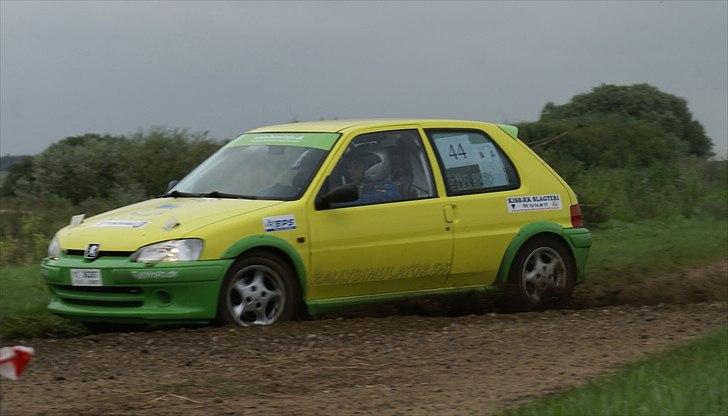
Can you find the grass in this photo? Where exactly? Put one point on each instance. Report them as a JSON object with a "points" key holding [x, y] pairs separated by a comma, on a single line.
{"points": [[619, 251], [689, 380], [23, 300], [637, 250]]}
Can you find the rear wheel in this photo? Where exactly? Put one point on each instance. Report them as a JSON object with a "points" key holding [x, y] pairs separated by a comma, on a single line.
{"points": [[259, 289], [543, 275]]}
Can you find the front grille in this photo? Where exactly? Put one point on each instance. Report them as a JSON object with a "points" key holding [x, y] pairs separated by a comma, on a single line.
{"points": [[112, 303], [110, 296], [102, 253], [134, 290]]}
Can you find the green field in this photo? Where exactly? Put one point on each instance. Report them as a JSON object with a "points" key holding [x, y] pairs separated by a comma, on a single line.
{"points": [[635, 250], [690, 380], [621, 251], [23, 298]]}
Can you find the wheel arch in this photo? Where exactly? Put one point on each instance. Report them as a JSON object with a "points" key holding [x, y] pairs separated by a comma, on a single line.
{"points": [[526, 233], [276, 246]]}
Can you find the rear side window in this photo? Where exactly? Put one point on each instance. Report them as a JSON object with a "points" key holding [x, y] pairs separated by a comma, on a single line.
{"points": [[471, 162]]}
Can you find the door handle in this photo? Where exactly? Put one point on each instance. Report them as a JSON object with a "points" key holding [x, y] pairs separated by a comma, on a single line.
{"points": [[449, 213]]}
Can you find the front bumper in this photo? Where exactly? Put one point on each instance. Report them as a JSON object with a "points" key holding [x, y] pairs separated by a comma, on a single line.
{"points": [[135, 292]]}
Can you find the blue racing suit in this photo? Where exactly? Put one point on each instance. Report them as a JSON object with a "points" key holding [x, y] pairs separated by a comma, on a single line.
{"points": [[374, 193]]}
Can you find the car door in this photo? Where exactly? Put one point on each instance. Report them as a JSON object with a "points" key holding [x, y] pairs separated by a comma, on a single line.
{"points": [[478, 177], [394, 237]]}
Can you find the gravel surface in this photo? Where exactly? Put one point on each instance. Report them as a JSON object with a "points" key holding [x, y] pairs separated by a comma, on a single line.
{"points": [[377, 365]]}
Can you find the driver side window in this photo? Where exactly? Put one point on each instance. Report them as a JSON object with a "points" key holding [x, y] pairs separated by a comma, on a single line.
{"points": [[388, 166]]}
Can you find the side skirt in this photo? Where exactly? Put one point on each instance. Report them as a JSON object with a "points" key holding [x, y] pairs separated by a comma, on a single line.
{"points": [[324, 306]]}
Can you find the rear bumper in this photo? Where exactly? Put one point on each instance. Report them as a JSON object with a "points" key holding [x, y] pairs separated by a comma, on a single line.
{"points": [[133, 292], [580, 241]]}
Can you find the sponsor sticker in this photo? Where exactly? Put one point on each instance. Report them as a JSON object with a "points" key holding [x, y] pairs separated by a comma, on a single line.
{"points": [[370, 274], [322, 141], [283, 138], [534, 203], [120, 223], [279, 223], [153, 274], [471, 165]]}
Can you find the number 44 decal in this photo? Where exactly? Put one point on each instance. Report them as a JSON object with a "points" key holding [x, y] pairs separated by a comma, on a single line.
{"points": [[456, 153]]}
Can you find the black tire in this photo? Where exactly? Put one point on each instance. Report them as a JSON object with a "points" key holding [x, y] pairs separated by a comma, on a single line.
{"points": [[278, 275], [525, 291]]}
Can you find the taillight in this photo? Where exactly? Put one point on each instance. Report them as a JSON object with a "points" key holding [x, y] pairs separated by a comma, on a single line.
{"points": [[576, 220]]}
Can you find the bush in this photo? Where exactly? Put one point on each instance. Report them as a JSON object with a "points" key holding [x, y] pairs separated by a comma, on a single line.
{"points": [[658, 191], [630, 153], [106, 167], [89, 174]]}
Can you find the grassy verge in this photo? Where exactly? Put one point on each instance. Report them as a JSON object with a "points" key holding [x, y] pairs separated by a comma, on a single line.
{"points": [[690, 380], [635, 250], [23, 300]]}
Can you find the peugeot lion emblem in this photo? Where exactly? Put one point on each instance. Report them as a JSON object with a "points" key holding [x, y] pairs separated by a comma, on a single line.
{"points": [[92, 251]]}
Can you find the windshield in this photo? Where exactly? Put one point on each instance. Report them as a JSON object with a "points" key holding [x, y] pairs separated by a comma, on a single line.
{"points": [[259, 166]]}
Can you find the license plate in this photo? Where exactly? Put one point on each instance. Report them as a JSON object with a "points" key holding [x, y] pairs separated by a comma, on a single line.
{"points": [[86, 277]]}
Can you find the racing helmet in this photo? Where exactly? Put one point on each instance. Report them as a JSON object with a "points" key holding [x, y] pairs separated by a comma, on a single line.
{"points": [[308, 160], [377, 164], [303, 168]]}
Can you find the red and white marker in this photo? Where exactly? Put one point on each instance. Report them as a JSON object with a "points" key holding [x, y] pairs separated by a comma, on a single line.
{"points": [[13, 361]]}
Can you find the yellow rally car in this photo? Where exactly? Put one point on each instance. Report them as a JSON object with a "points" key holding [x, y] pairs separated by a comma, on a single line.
{"points": [[305, 217]]}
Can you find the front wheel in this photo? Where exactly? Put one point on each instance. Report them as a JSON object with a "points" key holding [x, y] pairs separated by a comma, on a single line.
{"points": [[259, 289], [542, 276]]}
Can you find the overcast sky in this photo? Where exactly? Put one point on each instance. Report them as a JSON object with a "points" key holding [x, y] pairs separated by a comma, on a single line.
{"points": [[112, 67]]}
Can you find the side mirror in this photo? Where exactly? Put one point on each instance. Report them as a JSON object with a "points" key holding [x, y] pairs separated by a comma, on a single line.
{"points": [[171, 184], [344, 193]]}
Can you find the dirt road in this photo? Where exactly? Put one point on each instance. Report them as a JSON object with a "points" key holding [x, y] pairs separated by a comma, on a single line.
{"points": [[385, 365]]}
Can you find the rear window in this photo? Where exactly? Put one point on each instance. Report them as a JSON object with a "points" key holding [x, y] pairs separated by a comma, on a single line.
{"points": [[471, 162]]}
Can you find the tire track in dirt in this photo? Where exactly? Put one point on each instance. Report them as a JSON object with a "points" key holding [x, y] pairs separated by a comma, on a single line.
{"points": [[692, 285], [386, 365]]}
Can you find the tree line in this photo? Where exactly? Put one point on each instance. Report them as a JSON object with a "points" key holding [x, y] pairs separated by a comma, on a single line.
{"points": [[630, 152]]}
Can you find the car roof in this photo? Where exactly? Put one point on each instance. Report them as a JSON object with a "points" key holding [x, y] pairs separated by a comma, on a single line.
{"points": [[336, 126]]}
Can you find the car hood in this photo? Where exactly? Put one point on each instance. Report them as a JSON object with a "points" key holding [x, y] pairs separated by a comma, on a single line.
{"points": [[133, 226]]}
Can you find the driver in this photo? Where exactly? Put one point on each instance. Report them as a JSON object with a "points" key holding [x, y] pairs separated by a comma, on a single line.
{"points": [[370, 173]]}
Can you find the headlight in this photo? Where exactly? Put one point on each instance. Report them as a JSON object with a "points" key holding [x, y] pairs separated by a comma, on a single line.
{"points": [[54, 248], [172, 250]]}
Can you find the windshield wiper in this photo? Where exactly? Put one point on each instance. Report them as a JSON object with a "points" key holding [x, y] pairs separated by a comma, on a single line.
{"points": [[218, 194], [213, 194], [179, 194]]}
